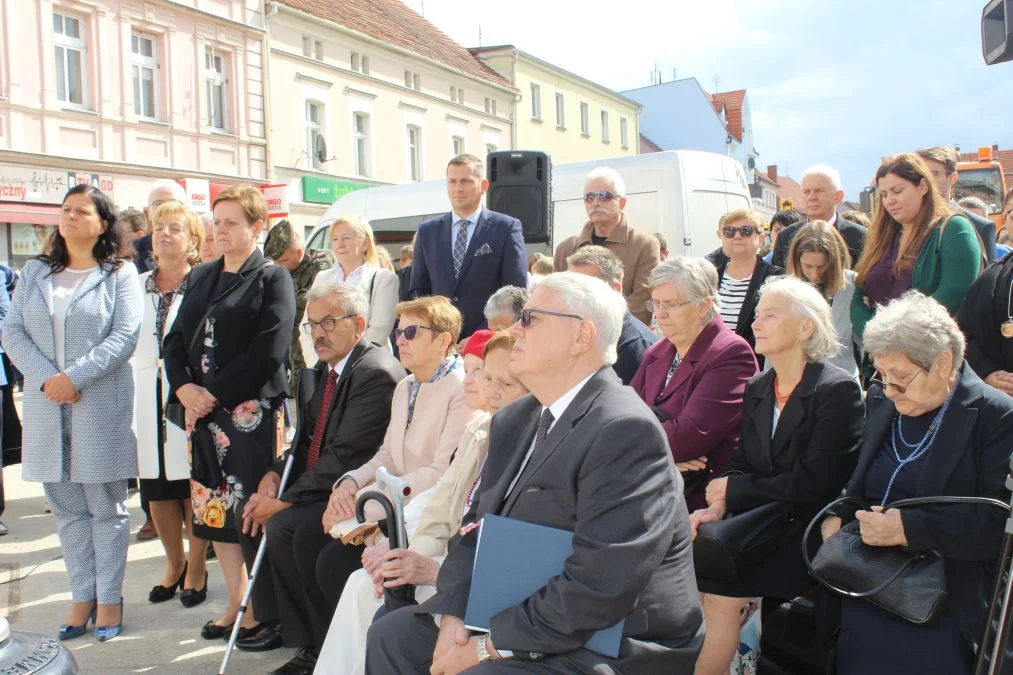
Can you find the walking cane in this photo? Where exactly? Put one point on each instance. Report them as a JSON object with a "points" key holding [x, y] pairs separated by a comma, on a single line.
{"points": [[252, 579], [1000, 603], [400, 596]]}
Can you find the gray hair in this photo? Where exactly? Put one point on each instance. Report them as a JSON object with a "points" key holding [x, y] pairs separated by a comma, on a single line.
{"points": [[610, 267], [593, 300], [349, 298], [826, 171], [808, 303], [507, 300], [695, 278], [916, 326], [178, 193], [610, 176], [972, 203]]}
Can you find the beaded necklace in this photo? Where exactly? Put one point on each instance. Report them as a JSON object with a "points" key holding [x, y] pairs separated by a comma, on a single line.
{"points": [[917, 450]]}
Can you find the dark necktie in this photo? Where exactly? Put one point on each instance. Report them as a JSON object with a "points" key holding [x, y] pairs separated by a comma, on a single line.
{"points": [[544, 422], [321, 424], [460, 247]]}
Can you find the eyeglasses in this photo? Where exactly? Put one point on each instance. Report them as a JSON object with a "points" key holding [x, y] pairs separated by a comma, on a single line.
{"points": [[745, 231], [603, 195], [409, 332], [158, 202], [526, 316], [328, 324], [664, 307], [899, 388]]}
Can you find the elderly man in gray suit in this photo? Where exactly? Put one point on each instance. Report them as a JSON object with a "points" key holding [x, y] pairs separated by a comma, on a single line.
{"points": [[581, 453]]}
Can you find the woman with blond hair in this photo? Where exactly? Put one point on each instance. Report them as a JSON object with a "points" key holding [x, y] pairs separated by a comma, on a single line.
{"points": [[356, 262]]}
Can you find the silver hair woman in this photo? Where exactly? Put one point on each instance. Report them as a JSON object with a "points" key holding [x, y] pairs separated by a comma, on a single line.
{"points": [[934, 429], [503, 308], [801, 428]]}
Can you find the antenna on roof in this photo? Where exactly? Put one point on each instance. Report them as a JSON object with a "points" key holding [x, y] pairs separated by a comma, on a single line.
{"points": [[479, 35], [717, 83], [423, 7]]}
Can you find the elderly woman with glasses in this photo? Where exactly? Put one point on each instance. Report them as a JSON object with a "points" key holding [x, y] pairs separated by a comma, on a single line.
{"points": [[503, 307], [742, 275], [695, 378], [934, 429]]}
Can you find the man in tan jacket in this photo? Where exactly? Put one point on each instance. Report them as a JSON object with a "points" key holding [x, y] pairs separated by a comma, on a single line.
{"points": [[605, 199]]}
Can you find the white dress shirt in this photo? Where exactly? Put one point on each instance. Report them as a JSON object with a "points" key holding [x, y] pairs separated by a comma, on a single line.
{"points": [[472, 224]]}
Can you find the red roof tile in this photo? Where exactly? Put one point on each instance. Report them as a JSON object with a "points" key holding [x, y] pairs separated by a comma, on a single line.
{"points": [[731, 103], [392, 22], [647, 145]]}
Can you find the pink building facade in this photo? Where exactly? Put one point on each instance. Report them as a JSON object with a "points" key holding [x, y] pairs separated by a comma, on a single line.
{"points": [[120, 93]]}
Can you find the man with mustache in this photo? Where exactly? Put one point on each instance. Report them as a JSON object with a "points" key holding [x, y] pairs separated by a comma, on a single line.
{"points": [[639, 251], [340, 429]]}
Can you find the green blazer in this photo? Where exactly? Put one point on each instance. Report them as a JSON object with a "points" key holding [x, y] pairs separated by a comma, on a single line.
{"points": [[944, 272]]}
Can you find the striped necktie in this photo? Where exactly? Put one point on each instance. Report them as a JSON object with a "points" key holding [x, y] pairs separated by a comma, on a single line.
{"points": [[460, 246]]}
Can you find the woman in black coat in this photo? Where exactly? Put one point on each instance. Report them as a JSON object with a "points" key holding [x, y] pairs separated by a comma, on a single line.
{"points": [[801, 426], [986, 319], [934, 429], [225, 359]]}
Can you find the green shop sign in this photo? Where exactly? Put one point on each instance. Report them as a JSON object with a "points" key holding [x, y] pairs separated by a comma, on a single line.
{"points": [[326, 191]]}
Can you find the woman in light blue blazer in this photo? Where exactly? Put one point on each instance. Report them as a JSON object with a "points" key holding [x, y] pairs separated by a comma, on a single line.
{"points": [[71, 330], [819, 255]]}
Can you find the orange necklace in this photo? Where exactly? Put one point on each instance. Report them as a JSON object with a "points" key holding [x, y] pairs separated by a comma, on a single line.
{"points": [[781, 400]]}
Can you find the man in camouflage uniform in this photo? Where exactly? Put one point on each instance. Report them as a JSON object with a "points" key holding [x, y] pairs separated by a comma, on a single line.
{"points": [[286, 247]]}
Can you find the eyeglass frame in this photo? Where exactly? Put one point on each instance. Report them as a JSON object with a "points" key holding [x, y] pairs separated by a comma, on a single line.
{"points": [[667, 308], [899, 388], [600, 195], [753, 229], [398, 333], [311, 326], [525, 317]]}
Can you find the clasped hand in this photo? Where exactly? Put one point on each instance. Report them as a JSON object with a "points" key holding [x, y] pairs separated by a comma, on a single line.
{"points": [[881, 528], [456, 649], [60, 389], [341, 505], [198, 401], [263, 504]]}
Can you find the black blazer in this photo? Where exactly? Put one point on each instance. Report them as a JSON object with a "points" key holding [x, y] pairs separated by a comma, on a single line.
{"points": [[253, 328], [981, 316], [853, 233], [986, 232], [970, 457], [356, 421], [744, 326], [633, 342], [142, 254], [812, 453]]}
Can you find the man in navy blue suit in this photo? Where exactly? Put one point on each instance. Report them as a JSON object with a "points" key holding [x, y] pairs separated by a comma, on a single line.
{"points": [[471, 252]]}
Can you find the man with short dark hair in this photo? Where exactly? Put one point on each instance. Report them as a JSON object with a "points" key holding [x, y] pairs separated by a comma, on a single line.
{"points": [[942, 163], [635, 338], [486, 249], [134, 223]]}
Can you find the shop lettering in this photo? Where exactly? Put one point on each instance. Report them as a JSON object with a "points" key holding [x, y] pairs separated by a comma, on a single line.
{"points": [[16, 191]]}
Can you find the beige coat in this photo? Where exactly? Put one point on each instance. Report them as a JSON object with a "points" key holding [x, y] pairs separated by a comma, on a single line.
{"points": [[639, 252], [421, 453]]}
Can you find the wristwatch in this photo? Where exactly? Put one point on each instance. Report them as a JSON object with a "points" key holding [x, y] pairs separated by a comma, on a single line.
{"points": [[483, 652]]}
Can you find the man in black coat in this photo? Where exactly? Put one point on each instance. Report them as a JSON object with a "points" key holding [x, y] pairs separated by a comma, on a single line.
{"points": [[355, 379]]}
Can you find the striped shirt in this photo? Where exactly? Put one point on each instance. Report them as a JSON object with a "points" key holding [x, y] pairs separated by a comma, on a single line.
{"points": [[732, 293]]}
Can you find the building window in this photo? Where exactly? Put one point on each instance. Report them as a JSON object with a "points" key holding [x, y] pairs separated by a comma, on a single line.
{"points": [[355, 62], [360, 143], [215, 83], [360, 63], [365, 65], [536, 102], [560, 116], [453, 94], [490, 106], [408, 79], [318, 50], [585, 121], [605, 126], [624, 133], [457, 143], [312, 49], [414, 152], [70, 48], [457, 95], [145, 63], [412, 80], [315, 133], [490, 148]]}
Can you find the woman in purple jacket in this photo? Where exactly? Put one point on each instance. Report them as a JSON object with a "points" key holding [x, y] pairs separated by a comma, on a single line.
{"points": [[695, 379]]}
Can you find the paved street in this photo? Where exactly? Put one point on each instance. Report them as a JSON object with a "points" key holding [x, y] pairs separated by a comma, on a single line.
{"points": [[161, 638]]}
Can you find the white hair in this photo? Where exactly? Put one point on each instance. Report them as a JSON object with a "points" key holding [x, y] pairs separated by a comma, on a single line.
{"points": [[826, 171], [916, 326], [350, 298], [507, 300], [695, 278], [592, 299], [178, 193], [808, 303], [610, 176]]}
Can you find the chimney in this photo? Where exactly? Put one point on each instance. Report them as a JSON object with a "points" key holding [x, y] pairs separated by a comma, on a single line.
{"points": [[772, 172], [995, 148]]}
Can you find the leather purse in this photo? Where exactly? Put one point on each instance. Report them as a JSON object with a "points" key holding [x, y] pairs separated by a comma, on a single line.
{"points": [[724, 549], [909, 585]]}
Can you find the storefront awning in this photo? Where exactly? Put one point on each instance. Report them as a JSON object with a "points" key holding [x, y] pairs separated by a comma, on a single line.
{"points": [[36, 214]]}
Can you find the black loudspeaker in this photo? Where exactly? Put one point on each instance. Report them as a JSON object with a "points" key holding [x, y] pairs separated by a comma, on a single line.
{"points": [[520, 185]]}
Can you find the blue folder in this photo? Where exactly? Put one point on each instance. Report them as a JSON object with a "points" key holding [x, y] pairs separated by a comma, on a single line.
{"points": [[513, 560]]}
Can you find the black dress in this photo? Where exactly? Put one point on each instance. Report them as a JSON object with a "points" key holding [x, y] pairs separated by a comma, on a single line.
{"points": [[873, 641]]}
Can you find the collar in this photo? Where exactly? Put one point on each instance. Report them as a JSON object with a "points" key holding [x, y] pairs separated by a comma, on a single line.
{"points": [[620, 235], [339, 367], [472, 219], [558, 408], [833, 220], [353, 277]]}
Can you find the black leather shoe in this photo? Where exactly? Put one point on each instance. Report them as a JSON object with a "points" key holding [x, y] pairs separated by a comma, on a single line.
{"points": [[266, 638], [191, 597], [212, 631], [303, 663], [162, 593]]}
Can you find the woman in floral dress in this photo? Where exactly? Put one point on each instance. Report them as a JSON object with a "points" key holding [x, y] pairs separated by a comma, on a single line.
{"points": [[225, 359]]}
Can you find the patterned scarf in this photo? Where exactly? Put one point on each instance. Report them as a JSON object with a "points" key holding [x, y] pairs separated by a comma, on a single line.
{"points": [[449, 365]]}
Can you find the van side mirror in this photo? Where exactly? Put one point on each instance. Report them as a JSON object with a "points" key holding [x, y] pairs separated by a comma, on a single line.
{"points": [[997, 32]]}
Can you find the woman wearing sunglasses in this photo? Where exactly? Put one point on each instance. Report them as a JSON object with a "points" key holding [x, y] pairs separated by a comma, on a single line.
{"points": [[933, 429], [740, 278], [429, 413]]}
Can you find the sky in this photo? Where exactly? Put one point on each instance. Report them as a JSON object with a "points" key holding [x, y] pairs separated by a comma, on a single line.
{"points": [[838, 82]]}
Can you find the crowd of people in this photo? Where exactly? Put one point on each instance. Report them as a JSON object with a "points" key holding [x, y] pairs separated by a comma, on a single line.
{"points": [[629, 396]]}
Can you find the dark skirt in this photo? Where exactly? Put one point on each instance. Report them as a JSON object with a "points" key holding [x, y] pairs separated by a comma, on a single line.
{"points": [[245, 441], [781, 575]]}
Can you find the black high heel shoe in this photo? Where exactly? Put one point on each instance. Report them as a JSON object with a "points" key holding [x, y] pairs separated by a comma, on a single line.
{"points": [[161, 593], [191, 597]]}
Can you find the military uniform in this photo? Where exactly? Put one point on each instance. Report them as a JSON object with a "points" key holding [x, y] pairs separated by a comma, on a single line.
{"points": [[278, 241]]}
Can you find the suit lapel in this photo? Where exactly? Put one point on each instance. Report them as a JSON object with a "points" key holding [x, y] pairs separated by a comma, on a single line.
{"points": [[749, 302], [444, 237], [954, 436], [480, 236], [497, 491], [46, 284], [91, 281], [794, 409], [763, 414]]}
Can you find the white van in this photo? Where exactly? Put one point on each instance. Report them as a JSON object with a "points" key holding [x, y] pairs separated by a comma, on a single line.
{"points": [[680, 193]]}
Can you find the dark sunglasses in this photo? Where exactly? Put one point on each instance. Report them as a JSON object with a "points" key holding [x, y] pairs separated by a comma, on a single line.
{"points": [[899, 388], [409, 332], [745, 231], [327, 324], [526, 316], [604, 196]]}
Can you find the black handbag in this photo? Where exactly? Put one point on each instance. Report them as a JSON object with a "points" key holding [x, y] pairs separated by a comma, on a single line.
{"points": [[909, 585], [723, 549]]}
